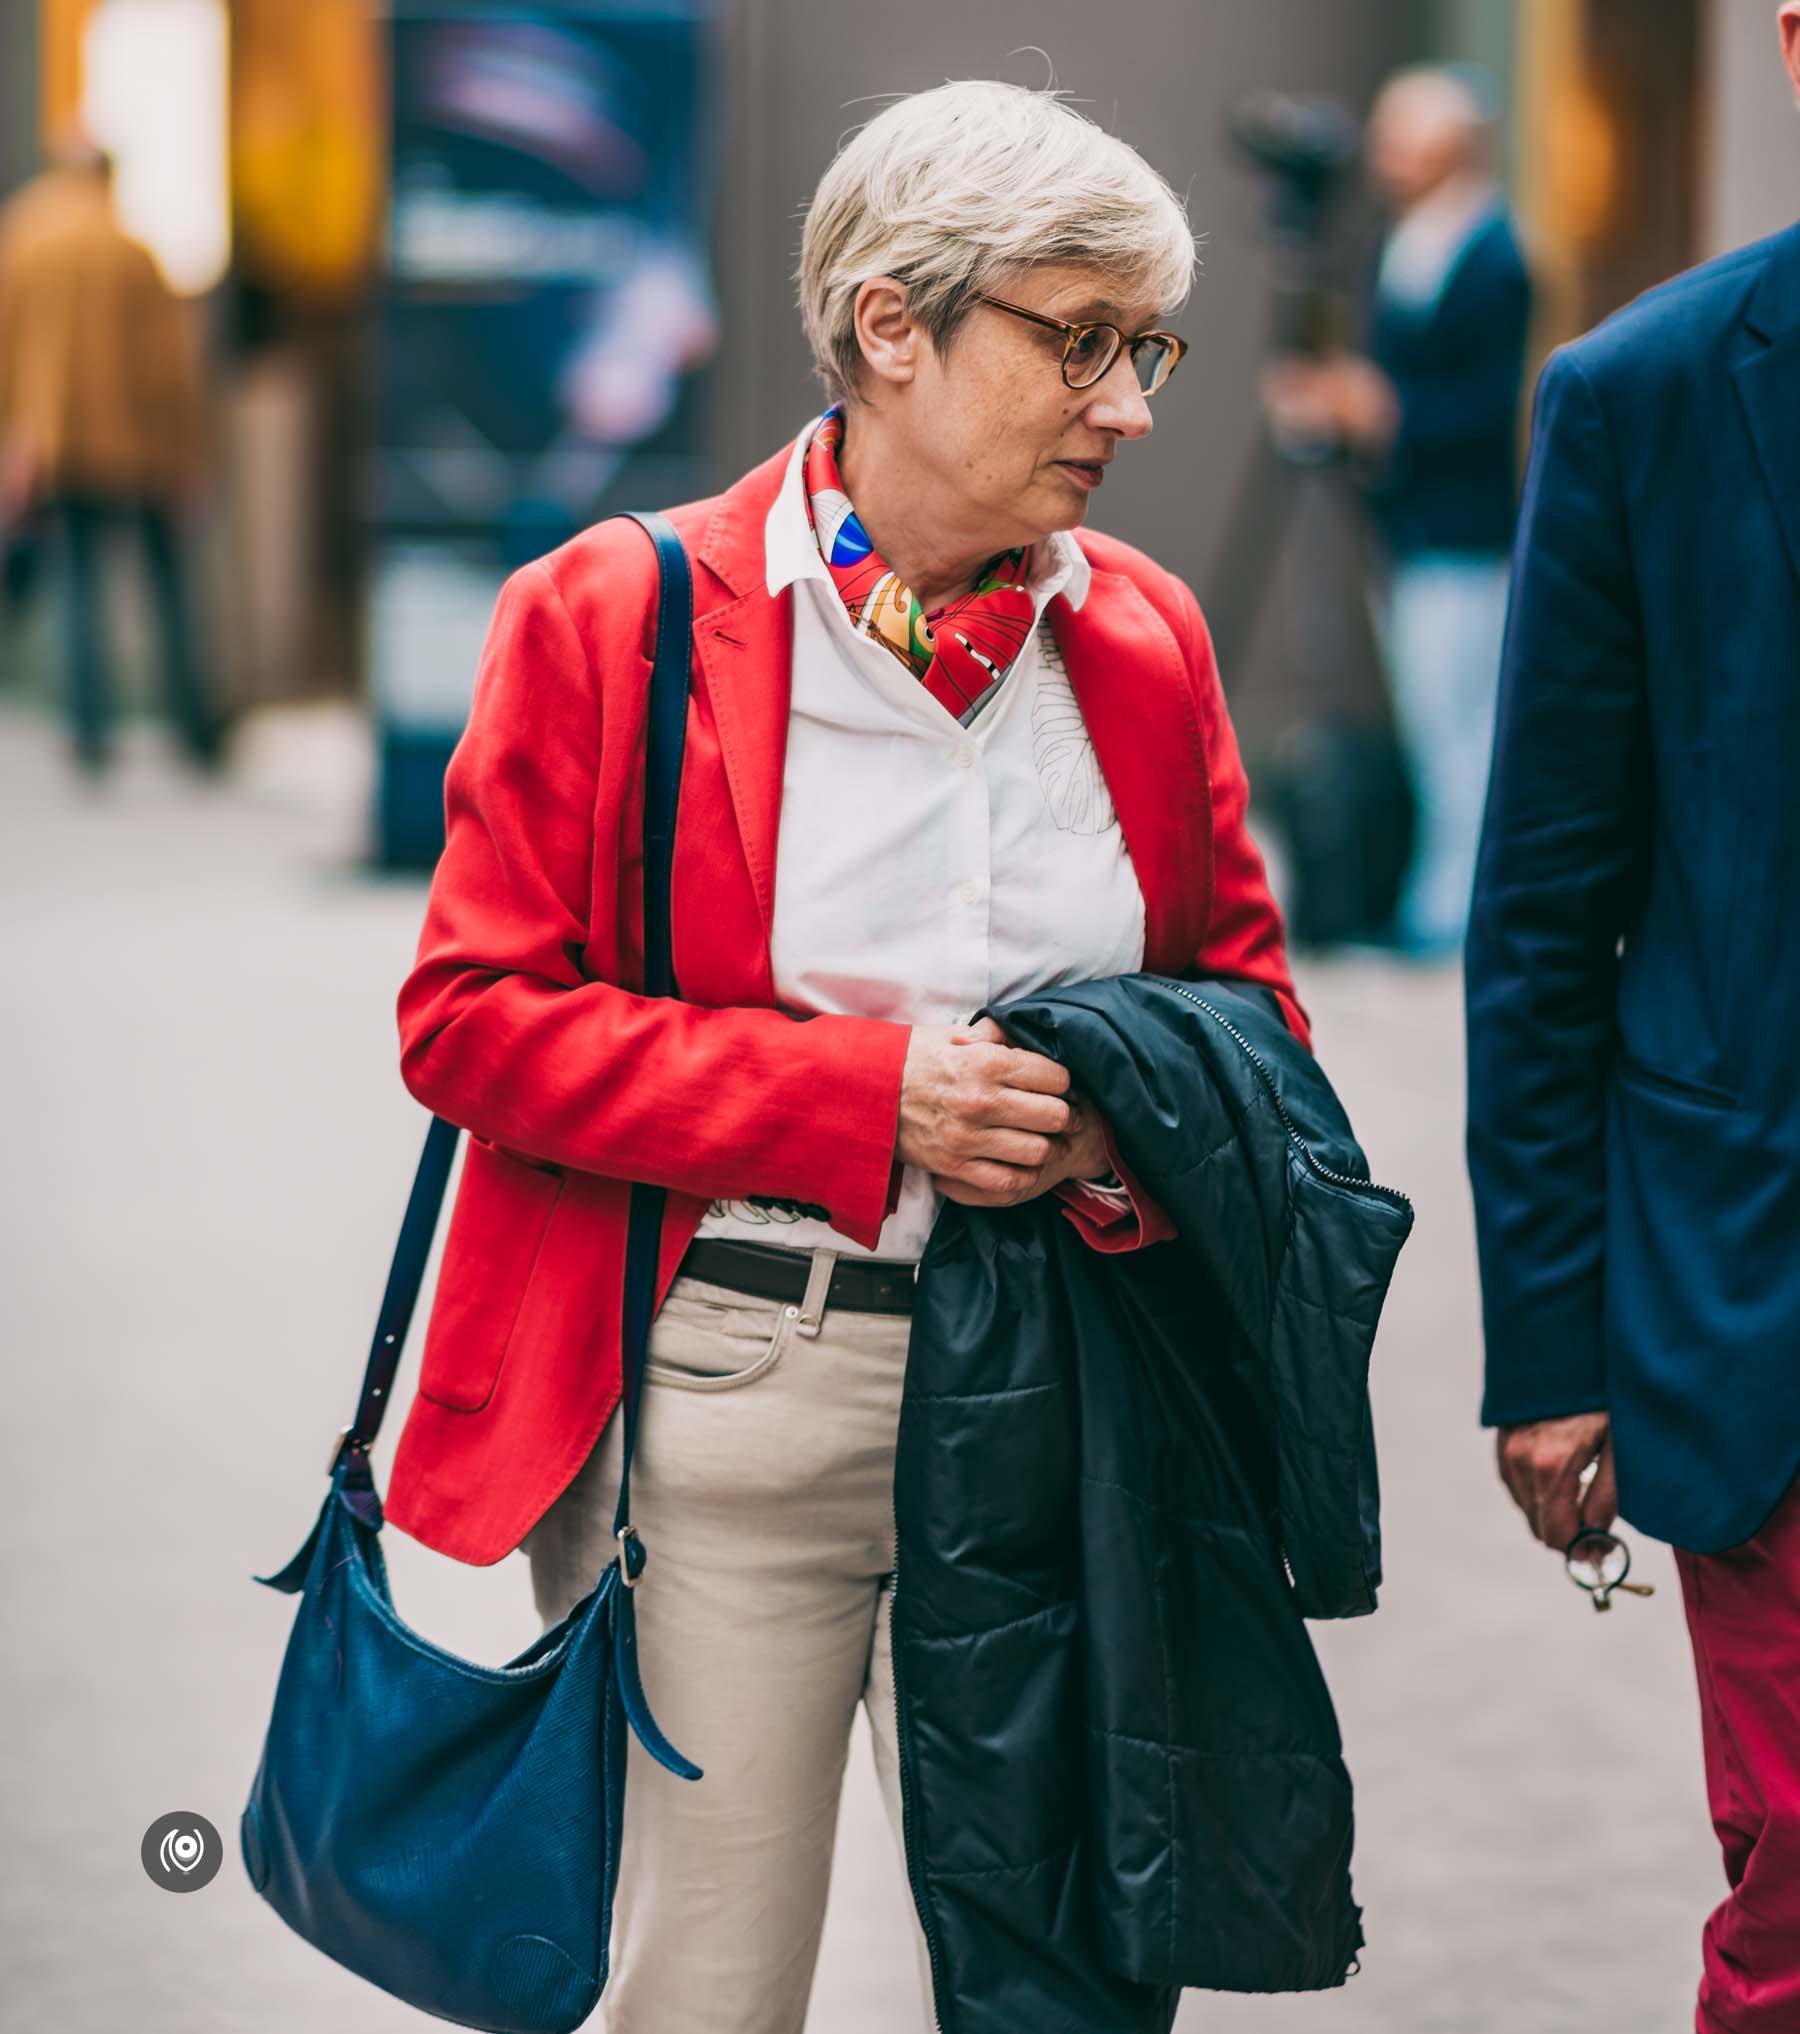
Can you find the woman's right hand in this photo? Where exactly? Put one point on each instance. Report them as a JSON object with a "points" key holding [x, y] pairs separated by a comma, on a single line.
{"points": [[973, 1108]]}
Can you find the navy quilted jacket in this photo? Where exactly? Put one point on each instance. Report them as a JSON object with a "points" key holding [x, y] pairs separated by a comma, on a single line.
{"points": [[1123, 1481]]}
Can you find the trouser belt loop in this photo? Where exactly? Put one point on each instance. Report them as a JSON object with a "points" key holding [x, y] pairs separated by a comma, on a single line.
{"points": [[818, 1284]]}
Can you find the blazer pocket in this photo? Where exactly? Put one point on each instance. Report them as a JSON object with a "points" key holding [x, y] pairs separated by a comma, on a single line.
{"points": [[497, 1227], [1678, 1087]]}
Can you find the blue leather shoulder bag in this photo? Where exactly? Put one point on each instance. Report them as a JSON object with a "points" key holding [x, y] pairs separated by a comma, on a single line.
{"points": [[446, 1830]]}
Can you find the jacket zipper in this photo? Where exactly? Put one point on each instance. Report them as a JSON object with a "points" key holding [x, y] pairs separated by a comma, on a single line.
{"points": [[1299, 1143], [907, 1820], [1342, 1179]]}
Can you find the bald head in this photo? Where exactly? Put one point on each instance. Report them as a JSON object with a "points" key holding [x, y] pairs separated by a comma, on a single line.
{"points": [[1427, 126], [72, 147]]}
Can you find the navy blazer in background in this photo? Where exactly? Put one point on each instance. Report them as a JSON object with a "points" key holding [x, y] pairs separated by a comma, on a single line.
{"points": [[1633, 987], [1450, 481]]}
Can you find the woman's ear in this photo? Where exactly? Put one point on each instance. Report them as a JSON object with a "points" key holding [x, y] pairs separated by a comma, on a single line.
{"points": [[885, 330]]}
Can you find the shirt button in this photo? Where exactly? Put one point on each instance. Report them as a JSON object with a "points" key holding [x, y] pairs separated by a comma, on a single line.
{"points": [[969, 891], [965, 759]]}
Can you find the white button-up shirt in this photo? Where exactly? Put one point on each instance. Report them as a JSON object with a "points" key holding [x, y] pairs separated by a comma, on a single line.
{"points": [[925, 869]]}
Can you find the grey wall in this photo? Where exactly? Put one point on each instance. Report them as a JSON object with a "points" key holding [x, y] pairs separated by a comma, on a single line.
{"points": [[18, 92], [1484, 32], [1752, 130], [1159, 72]]}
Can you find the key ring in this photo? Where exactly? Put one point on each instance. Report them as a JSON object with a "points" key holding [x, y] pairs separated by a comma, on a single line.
{"points": [[1599, 1561]]}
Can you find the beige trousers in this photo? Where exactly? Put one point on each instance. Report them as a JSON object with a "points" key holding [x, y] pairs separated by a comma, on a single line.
{"points": [[762, 1487]]}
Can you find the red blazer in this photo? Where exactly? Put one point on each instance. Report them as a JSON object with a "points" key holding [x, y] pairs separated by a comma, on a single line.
{"points": [[521, 1020]]}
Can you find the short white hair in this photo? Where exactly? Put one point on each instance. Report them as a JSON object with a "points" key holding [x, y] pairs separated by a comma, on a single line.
{"points": [[956, 190]]}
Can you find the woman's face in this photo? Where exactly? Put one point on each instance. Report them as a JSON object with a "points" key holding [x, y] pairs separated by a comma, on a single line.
{"points": [[993, 424]]}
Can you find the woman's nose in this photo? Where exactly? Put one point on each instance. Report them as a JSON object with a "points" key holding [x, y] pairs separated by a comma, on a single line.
{"points": [[1119, 404]]}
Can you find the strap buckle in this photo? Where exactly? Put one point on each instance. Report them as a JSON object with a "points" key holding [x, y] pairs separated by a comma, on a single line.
{"points": [[624, 1534], [337, 1448]]}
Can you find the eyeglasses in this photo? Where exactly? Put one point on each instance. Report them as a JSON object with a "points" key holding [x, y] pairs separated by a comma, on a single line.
{"points": [[1090, 350], [1599, 1561]]}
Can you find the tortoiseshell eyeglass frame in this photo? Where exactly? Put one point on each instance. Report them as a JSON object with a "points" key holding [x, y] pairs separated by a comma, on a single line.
{"points": [[1174, 346]]}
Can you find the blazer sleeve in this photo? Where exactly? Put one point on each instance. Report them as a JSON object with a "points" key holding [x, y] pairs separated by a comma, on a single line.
{"points": [[502, 1032], [1244, 936], [1563, 848]]}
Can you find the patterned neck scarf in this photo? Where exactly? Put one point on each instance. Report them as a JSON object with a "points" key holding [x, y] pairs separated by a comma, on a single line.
{"points": [[960, 651]]}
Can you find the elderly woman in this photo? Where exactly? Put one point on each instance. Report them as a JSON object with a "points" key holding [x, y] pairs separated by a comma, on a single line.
{"points": [[940, 752]]}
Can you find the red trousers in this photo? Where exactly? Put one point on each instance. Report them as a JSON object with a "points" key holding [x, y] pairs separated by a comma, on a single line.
{"points": [[1743, 1610]]}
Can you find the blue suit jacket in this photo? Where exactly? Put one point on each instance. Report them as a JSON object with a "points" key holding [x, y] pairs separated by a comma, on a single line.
{"points": [[1633, 959], [1450, 479]]}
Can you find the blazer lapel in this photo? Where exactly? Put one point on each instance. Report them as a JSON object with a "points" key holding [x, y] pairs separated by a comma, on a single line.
{"points": [[746, 652], [1131, 682], [744, 649], [1769, 384]]}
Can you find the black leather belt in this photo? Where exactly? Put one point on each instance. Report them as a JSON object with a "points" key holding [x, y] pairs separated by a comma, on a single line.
{"points": [[862, 1285]]}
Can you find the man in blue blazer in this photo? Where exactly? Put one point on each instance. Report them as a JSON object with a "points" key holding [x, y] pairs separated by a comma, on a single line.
{"points": [[1430, 415], [1633, 1004], [1448, 318]]}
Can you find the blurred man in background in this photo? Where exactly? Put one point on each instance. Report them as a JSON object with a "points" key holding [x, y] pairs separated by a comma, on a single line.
{"points": [[1430, 413], [100, 425], [1633, 1011]]}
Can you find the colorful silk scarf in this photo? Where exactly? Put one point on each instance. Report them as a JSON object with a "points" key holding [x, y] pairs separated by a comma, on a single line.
{"points": [[960, 651]]}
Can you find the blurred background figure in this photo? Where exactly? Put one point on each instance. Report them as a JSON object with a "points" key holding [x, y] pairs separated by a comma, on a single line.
{"points": [[1430, 411], [101, 429]]}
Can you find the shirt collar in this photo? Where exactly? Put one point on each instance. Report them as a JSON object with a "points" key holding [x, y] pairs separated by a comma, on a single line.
{"points": [[791, 551], [1422, 247]]}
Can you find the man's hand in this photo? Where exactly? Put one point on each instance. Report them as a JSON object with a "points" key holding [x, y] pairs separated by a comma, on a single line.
{"points": [[1340, 400], [17, 479], [1542, 1465], [1363, 402], [993, 1124], [1296, 401]]}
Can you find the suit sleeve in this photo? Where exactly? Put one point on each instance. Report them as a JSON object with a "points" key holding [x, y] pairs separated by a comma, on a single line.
{"points": [[502, 1032], [1244, 937], [1563, 849]]}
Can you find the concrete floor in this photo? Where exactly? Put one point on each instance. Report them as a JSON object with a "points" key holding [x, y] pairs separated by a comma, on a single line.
{"points": [[210, 1148]]}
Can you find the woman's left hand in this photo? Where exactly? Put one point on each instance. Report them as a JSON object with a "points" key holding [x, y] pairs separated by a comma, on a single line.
{"points": [[1079, 1152]]}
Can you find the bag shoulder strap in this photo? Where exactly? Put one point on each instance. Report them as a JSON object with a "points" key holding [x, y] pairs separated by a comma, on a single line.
{"points": [[665, 740], [667, 734]]}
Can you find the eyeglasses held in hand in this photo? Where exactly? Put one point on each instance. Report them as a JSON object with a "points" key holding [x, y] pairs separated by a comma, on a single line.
{"points": [[1599, 1561]]}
